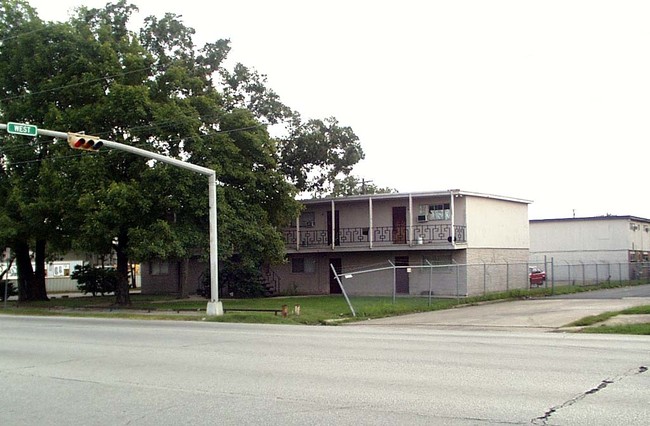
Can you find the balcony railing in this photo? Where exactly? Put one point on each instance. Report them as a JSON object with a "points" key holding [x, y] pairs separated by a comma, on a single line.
{"points": [[381, 236]]}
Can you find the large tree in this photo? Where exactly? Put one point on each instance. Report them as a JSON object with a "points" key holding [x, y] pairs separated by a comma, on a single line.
{"points": [[32, 211], [354, 185], [312, 154], [158, 91]]}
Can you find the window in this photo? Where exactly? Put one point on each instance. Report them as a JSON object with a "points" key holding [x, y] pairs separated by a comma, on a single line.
{"points": [[441, 212], [298, 265], [158, 267], [428, 212], [308, 220], [303, 265]]}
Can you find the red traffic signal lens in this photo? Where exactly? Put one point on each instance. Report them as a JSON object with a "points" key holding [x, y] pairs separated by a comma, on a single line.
{"points": [[81, 141]]}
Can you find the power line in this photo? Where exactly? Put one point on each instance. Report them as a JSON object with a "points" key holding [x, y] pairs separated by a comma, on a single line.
{"points": [[81, 83], [17, 148], [2, 40], [40, 160]]}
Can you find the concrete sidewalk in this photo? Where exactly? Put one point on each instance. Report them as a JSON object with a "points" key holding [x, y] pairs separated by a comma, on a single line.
{"points": [[531, 314]]}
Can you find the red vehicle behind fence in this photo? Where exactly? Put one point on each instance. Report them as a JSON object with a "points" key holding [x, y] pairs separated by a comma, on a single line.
{"points": [[536, 276]]}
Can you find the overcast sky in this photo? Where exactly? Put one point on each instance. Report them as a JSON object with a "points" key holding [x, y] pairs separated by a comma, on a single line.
{"points": [[547, 101]]}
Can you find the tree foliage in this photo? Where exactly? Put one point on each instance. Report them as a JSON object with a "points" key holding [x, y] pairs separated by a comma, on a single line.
{"points": [[316, 152], [158, 91], [353, 185]]}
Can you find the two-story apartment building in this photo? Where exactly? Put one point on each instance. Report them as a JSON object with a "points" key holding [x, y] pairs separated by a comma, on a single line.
{"points": [[418, 229]]}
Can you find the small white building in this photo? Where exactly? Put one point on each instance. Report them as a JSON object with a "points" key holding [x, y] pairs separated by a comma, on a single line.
{"points": [[591, 247]]}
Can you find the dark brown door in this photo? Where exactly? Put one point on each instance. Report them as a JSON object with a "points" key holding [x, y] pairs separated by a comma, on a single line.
{"points": [[401, 275], [335, 288], [337, 239], [399, 225]]}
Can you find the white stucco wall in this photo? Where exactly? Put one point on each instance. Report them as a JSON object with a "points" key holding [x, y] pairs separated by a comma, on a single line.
{"points": [[600, 240], [495, 223]]}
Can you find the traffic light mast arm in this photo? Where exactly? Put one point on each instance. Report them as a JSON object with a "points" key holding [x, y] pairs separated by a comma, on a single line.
{"points": [[132, 150], [214, 306]]}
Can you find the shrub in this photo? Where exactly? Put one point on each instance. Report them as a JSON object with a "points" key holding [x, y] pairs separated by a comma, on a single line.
{"points": [[95, 280], [238, 281], [11, 290], [242, 281]]}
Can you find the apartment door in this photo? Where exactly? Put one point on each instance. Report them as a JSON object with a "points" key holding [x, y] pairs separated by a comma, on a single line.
{"points": [[335, 288], [401, 275], [399, 225], [337, 239]]}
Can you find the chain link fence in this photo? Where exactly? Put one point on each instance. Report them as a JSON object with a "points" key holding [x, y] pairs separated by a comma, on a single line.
{"points": [[463, 280]]}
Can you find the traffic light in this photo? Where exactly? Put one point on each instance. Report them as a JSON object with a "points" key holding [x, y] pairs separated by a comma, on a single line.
{"points": [[85, 142]]}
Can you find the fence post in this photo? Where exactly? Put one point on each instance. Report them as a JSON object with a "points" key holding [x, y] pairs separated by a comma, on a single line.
{"points": [[484, 279], [552, 275], [457, 283], [394, 280], [430, 279]]}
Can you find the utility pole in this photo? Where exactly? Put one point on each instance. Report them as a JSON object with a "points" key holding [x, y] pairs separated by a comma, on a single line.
{"points": [[90, 143], [363, 185]]}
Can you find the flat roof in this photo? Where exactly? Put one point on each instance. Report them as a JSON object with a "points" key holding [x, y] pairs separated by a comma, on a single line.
{"points": [[397, 195], [592, 218]]}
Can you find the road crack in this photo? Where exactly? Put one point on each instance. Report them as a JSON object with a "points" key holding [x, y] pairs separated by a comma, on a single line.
{"points": [[542, 420]]}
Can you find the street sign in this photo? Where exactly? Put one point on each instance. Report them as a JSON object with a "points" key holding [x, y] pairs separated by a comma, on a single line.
{"points": [[22, 129]]}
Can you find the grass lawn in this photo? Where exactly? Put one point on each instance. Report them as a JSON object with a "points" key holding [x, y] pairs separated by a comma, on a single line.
{"points": [[593, 324], [314, 310]]}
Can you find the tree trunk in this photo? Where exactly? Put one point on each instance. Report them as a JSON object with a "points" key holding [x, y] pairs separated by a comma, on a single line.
{"points": [[183, 267], [25, 271], [38, 289], [122, 296]]}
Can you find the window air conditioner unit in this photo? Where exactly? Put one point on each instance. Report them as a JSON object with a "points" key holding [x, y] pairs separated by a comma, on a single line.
{"points": [[309, 224], [422, 218]]}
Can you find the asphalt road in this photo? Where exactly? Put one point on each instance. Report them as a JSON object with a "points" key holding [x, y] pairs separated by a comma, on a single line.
{"points": [[532, 315], [82, 371]]}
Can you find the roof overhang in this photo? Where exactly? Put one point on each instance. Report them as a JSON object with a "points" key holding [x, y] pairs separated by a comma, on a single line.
{"points": [[406, 195]]}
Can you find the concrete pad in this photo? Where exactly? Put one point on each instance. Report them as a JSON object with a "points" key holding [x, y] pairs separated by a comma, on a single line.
{"points": [[533, 314]]}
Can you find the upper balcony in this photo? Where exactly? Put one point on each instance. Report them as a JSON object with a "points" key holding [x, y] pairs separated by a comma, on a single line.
{"points": [[380, 222], [415, 221], [418, 236]]}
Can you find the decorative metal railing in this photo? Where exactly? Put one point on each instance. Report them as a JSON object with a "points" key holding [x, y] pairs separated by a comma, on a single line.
{"points": [[381, 236], [271, 279]]}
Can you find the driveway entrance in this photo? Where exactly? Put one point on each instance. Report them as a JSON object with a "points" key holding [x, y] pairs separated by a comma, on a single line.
{"points": [[545, 314]]}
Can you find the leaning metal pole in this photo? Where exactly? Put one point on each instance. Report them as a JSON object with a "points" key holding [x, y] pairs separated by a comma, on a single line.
{"points": [[214, 307], [338, 279]]}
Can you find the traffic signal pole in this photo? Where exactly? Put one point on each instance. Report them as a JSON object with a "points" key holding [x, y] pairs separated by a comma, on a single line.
{"points": [[215, 307]]}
